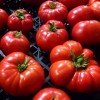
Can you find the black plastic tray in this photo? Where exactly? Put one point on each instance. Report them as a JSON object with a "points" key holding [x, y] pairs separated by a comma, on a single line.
{"points": [[38, 54]]}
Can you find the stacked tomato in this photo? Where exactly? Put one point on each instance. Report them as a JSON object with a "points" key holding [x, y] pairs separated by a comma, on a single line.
{"points": [[68, 32]]}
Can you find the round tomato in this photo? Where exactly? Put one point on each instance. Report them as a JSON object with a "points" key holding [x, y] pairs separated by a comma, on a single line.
{"points": [[92, 1], [86, 31], [51, 10], [20, 74], [51, 34], [3, 18], [20, 20], [51, 93], [78, 14], [70, 4], [14, 41], [96, 9]]}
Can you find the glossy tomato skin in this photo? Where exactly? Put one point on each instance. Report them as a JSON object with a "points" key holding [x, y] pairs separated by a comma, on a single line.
{"points": [[70, 4], [51, 93], [79, 13], [3, 18], [47, 38], [62, 70], [85, 81], [51, 10], [16, 80], [95, 6], [86, 31], [20, 20], [92, 1], [34, 2], [10, 42]]}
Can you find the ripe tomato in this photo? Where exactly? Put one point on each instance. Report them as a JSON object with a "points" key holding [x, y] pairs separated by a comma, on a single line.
{"points": [[51, 93], [20, 20], [14, 41], [70, 4], [78, 14], [96, 9], [3, 18], [50, 10], [86, 31], [51, 34], [20, 74], [65, 51], [92, 1]]}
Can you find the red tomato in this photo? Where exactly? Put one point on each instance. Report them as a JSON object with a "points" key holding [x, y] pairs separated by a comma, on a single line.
{"points": [[78, 14], [20, 20], [51, 34], [86, 31], [70, 4], [14, 41], [92, 1], [33, 2], [20, 74], [96, 10], [51, 93], [3, 18], [51, 10]]}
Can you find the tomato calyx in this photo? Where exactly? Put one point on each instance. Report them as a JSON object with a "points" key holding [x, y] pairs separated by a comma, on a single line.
{"points": [[52, 27], [52, 5], [18, 34], [80, 62], [23, 66], [20, 14]]}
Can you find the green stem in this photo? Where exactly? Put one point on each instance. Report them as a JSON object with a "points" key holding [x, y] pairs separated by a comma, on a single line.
{"points": [[52, 5], [18, 34], [52, 27]]}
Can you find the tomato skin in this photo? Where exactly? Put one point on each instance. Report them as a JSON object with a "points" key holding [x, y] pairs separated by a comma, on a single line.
{"points": [[62, 70], [46, 38], [92, 1], [95, 6], [86, 31], [3, 18], [46, 13], [86, 81], [10, 43], [70, 4], [79, 13], [20, 83], [50, 93], [22, 23]]}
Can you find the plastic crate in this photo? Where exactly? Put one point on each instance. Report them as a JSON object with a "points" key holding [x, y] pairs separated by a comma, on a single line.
{"points": [[38, 54]]}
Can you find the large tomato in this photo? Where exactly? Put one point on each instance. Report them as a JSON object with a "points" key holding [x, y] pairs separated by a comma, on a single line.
{"points": [[65, 51], [92, 1], [51, 93], [3, 18], [79, 13], [51, 34], [20, 74], [95, 6], [79, 74], [14, 41], [50, 10], [87, 32], [70, 4], [20, 20]]}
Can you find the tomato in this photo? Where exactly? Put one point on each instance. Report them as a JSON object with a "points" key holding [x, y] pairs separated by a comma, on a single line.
{"points": [[20, 20], [78, 14], [50, 10], [96, 9], [92, 1], [14, 41], [70, 4], [20, 74], [51, 93], [3, 18], [65, 51], [79, 74], [86, 31], [51, 34], [33, 2]]}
